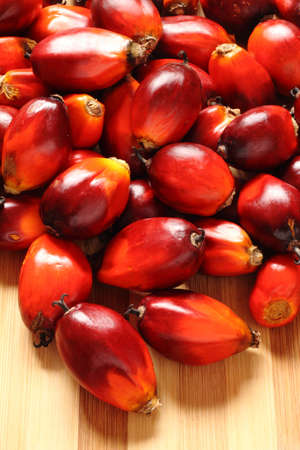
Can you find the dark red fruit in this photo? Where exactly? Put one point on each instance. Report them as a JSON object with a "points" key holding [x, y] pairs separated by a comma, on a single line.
{"points": [[16, 15], [292, 172], [78, 155], [7, 113], [289, 10], [296, 93]]}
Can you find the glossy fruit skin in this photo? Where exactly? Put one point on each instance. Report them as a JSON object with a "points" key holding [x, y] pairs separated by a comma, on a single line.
{"points": [[197, 36], [191, 178], [87, 198], [229, 67], [7, 113], [84, 59], [260, 139], [78, 155], [18, 86], [36, 145], [289, 10], [86, 115], [57, 267], [210, 124], [179, 7], [56, 18], [15, 53], [275, 298], [269, 211], [20, 222], [192, 328], [106, 356], [117, 139], [165, 105], [276, 45], [176, 249], [207, 85], [292, 173], [137, 19], [229, 250], [16, 15]]}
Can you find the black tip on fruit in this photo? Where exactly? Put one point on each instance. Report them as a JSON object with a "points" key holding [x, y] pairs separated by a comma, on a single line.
{"points": [[42, 338], [183, 55], [295, 92], [62, 303]]}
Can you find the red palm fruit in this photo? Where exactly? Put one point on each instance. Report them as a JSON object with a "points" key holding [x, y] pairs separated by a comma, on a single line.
{"points": [[36, 145], [180, 7], [192, 328], [191, 178], [77, 156], [15, 53], [292, 172], [87, 198], [107, 357], [137, 19], [237, 16], [7, 113], [166, 105], [229, 250], [296, 93], [196, 36], [289, 10], [275, 298], [85, 59], [276, 45], [210, 124], [260, 139], [86, 115], [176, 249], [20, 222], [269, 210], [56, 18], [16, 15], [229, 67], [57, 267], [18, 86], [207, 85], [117, 139]]}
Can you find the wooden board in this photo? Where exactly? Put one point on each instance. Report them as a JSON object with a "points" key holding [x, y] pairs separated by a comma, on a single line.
{"points": [[250, 401]]}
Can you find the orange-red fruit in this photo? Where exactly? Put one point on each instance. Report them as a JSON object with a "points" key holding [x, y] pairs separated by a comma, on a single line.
{"points": [[85, 59], [86, 115], [78, 155], [56, 18], [51, 267], [276, 45], [106, 355], [15, 53], [165, 105], [18, 86], [7, 113], [191, 178], [289, 10], [87, 198], [292, 172], [197, 36], [20, 222], [229, 67], [229, 250], [137, 19], [154, 253], [36, 145], [16, 15], [192, 328], [275, 298]]}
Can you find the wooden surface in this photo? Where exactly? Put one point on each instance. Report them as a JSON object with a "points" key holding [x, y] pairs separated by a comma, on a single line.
{"points": [[250, 401]]}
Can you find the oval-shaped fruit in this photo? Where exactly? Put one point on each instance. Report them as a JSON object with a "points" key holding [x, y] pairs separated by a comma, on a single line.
{"points": [[269, 210], [15, 53], [87, 198], [210, 124], [20, 222], [292, 172], [57, 267], [229, 67], [56, 18], [192, 328], [7, 113], [289, 10], [36, 145], [176, 249], [275, 298], [85, 59], [179, 7], [86, 115], [78, 155], [18, 86], [165, 105], [276, 45], [117, 368], [16, 15], [229, 250], [191, 178], [196, 36], [260, 139], [137, 19]]}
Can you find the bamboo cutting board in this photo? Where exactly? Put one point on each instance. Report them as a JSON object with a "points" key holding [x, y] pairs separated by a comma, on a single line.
{"points": [[250, 401]]}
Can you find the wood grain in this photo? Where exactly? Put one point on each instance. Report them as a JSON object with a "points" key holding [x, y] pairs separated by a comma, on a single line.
{"points": [[249, 401]]}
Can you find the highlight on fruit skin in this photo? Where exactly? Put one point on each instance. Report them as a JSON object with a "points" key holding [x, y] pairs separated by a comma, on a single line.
{"points": [[15, 52], [192, 328], [7, 114], [292, 172]]}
